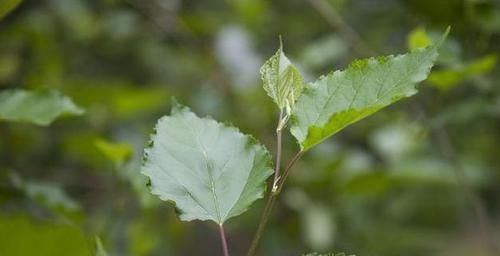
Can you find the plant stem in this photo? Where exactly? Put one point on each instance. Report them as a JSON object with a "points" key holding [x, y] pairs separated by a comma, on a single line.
{"points": [[223, 240], [270, 203], [287, 171], [278, 152]]}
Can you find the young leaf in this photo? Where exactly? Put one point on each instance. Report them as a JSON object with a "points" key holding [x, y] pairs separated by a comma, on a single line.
{"points": [[366, 86], [37, 107], [282, 80], [210, 170]]}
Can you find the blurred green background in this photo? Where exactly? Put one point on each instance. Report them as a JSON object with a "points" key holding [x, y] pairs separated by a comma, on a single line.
{"points": [[419, 178]]}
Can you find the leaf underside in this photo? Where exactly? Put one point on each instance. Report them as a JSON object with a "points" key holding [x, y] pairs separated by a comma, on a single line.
{"points": [[366, 86], [210, 170], [37, 107]]}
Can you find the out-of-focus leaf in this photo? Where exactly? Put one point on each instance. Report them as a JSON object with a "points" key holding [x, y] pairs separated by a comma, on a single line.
{"points": [[210, 170], [120, 99], [418, 38], [51, 195], [99, 248], [79, 146], [281, 80], [448, 78], [37, 107], [24, 236], [366, 86], [116, 152], [323, 52], [7, 6]]}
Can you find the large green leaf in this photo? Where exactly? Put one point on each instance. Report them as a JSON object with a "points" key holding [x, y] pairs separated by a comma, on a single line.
{"points": [[366, 86], [281, 80], [37, 107], [210, 170], [7, 6]]}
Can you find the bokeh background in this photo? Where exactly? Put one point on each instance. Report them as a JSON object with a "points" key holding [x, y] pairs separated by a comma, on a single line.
{"points": [[421, 177]]}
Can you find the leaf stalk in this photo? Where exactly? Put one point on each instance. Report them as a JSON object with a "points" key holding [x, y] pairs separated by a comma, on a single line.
{"points": [[223, 240]]}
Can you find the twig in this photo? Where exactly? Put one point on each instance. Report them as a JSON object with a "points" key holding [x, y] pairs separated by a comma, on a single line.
{"points": [[287, 170], [223, 240], [270, 203], [279, 132]]}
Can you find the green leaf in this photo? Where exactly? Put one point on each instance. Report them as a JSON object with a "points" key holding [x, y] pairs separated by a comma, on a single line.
{"points": [[116, 152], [37, 107], [48, 194], [418, 38], [446, 79], [281, 80], [210, 170], [366, 86], [6, 6]]}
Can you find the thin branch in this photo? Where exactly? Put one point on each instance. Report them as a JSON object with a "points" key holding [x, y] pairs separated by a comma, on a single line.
{"points": [[263, 221], [279, 132], [223, 240], [271, 199], [287, 170]]}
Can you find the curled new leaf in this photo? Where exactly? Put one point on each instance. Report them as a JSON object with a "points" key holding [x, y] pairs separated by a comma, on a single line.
{"points": [[366, 86], [211, 171], [282, 80]]}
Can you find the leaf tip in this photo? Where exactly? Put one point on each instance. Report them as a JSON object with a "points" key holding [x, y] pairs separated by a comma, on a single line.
{"points": [[444, 36]]}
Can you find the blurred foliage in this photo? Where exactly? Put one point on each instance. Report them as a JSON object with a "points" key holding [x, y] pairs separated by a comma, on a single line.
{"points": [[40, 108], [387, 186]]}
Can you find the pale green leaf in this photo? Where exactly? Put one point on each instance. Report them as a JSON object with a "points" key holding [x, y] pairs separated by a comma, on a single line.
{"points": [[37, 107], [210, 170], [7, 6], [116, 152], [281, 80], [366, 86]]}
